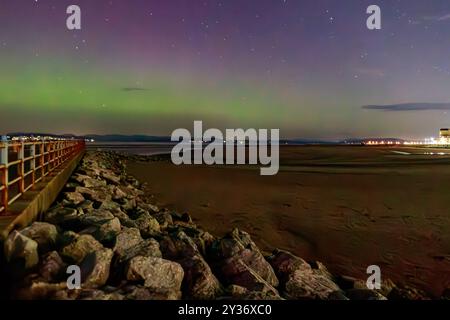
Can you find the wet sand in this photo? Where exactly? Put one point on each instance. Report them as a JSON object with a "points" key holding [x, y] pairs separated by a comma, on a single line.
{"points": [[349, 207]]}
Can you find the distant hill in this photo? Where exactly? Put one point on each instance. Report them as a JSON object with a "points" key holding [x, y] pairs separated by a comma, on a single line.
{"points": [[97, 137], [126, 138]]}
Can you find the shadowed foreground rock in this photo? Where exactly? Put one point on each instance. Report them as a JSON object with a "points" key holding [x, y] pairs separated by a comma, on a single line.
{"points": [[128, 248]]}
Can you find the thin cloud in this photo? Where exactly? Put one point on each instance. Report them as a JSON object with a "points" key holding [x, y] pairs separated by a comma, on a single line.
{"points": [[439, 18], [128, 89], [409, 107]]}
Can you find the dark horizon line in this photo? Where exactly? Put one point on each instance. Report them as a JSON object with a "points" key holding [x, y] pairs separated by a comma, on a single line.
{"points": [[156, 138]]}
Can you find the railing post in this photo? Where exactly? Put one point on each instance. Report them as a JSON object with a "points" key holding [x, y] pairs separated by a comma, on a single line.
{"points": [[22, 167], [42, 158], [33, 163], [5, 180]]}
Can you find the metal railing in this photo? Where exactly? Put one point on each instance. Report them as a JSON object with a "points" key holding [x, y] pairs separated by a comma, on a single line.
{"points": [[25, 163]]}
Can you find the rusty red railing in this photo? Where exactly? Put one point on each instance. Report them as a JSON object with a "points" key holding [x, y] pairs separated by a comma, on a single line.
{"points": [[25, 163]]}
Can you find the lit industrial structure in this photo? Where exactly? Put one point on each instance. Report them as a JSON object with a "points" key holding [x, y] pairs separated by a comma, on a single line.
{"points": [[444, 136]]}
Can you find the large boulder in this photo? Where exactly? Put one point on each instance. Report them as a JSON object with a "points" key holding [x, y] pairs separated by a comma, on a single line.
{"points": [[148, 225], [147, 248], [164, 219], [199, 281], [127, 239], [96, 217], [95, 268], [125, 220], [74, 198], [88, 181], [299, 280], [110, 178], [97, 195], [109, 205], [63, 216], [21, 251], [52, 267], [159, 275], [80, 247], [102, 225], [236, 258], [45, 234]]}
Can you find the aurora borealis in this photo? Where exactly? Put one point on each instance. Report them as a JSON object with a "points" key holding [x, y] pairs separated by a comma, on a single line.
{"points": [[149, 67]]}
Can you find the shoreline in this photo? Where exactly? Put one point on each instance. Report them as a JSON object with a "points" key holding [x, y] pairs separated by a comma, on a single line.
{"points": [[128, 248]]}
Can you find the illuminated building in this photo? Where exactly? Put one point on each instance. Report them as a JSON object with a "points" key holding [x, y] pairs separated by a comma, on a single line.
{"points": [[444, 136]]}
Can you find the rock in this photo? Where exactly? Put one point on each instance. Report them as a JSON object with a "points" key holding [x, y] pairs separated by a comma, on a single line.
{"points": [[128, 204], [407, 293], [108, 231], [178, 245], [387, 285], [88, 182], [285, 263], [147, 248], [164, 219], [144, 205], [240, 293], [65, 217], [185, 217], [237, 248], [202, 239], [95, 268], [85, 192], [66, 238], [80, 247], [260, 295], [52, 267], [299, 280], [159, 275], [236, 291], [21, 251], [71, 185], [110, 178], [148, 225], [109, 205], [337, 295], [308, 285], [98, 195], [127, 239], [39, 290], [86, 205], [74, 197], [125, 220], [236, 271], [118, 194], [45, 234], [199, 281], [97, 218], [143, 293], [96, 294], [102, 225], [364, 294]]}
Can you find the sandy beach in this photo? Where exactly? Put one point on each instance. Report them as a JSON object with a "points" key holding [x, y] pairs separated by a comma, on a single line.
{"points": [[349, 207]]}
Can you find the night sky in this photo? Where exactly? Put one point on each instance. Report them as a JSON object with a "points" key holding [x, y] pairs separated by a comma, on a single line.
{"points": [[310, 68]]}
